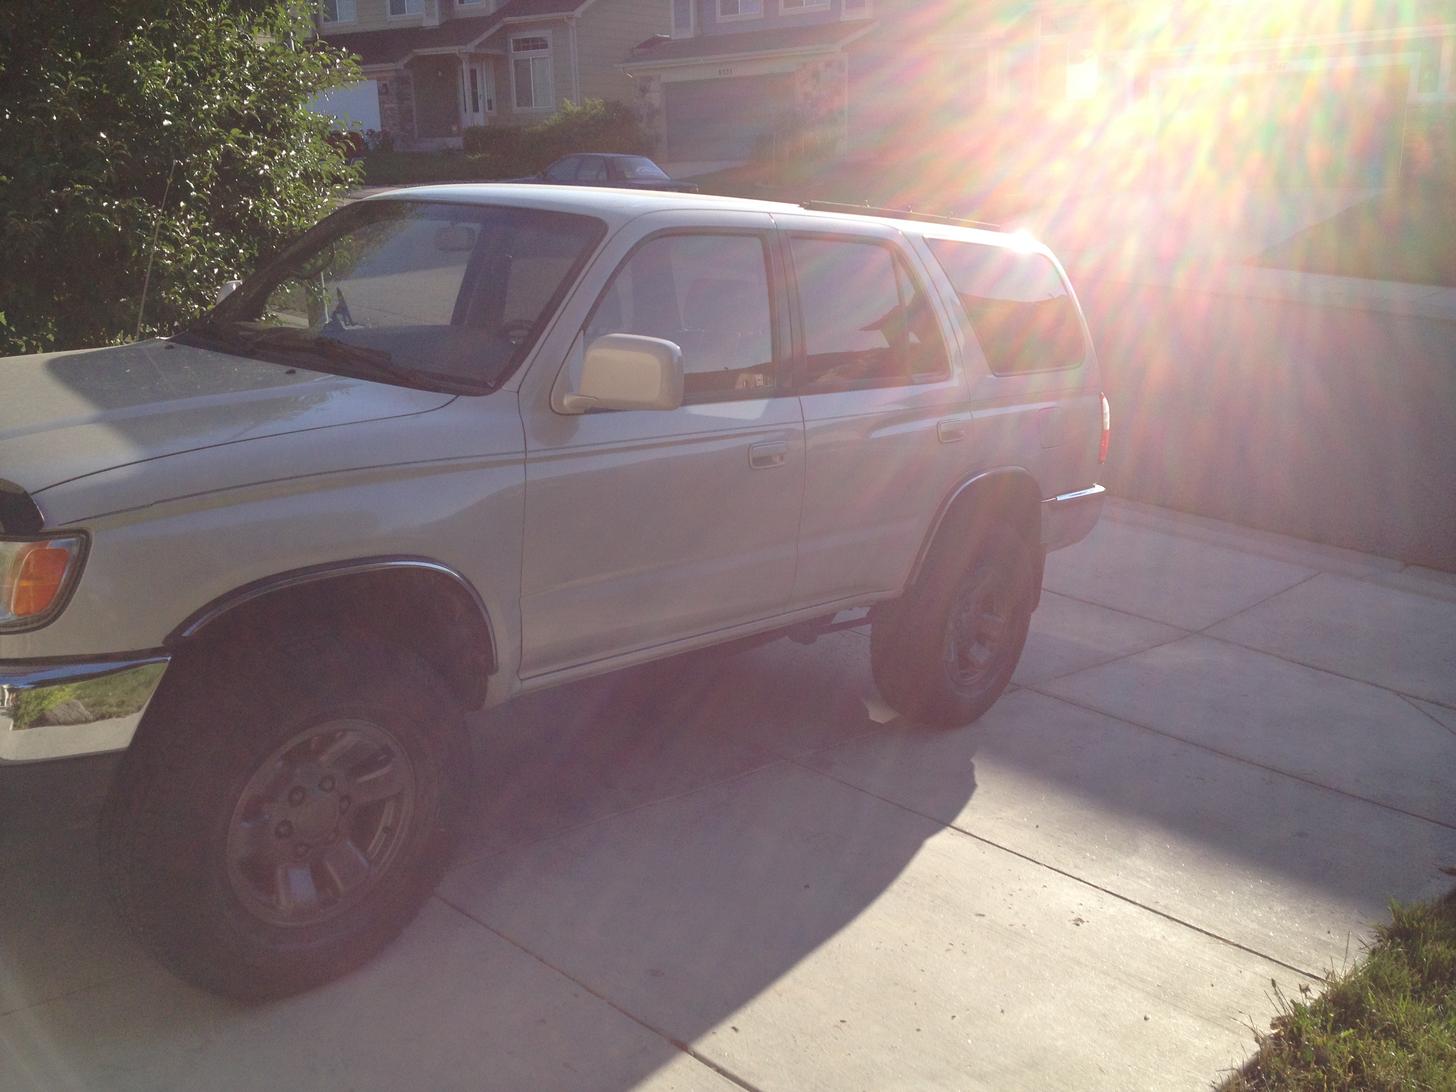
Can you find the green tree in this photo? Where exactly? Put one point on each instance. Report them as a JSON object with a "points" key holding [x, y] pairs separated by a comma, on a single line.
{"points": [[174, 132]]}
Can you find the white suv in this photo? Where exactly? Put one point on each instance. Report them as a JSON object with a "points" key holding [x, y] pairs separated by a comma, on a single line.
{"points": [[460, 443]]}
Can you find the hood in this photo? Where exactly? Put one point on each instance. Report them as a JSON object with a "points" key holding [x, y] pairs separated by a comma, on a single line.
{"points": [[66, 415]]}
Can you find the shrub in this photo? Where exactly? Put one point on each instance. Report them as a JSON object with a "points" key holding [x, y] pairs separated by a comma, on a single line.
{"points": [[595, 126], [124, 121]]}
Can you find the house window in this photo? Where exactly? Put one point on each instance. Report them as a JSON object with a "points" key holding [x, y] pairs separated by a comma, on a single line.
{"points": [[466, 3], [729, 10], [339, 11], [531, 72], [684, 18], [793, 7], [399, 8]]}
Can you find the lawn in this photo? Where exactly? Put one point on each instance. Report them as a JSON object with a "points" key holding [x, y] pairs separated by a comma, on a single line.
{"points": [[904, 182], [1406, 234], [1390, 1023], [418, 168]]}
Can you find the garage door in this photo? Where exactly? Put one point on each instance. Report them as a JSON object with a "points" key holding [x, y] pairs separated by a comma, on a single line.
{"points": [[710, 120]]}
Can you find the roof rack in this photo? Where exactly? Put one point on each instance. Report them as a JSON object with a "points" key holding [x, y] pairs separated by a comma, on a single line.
{"points": [[896, 214]]}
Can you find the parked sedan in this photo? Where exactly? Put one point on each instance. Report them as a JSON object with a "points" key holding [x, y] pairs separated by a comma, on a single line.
{"points": [[632, 172]]}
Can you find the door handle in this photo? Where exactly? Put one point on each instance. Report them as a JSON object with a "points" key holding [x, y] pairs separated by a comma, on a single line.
{"points": [[771, 454], [951, 429]]}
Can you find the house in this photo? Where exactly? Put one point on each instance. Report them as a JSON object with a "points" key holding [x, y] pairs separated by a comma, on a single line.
{"points": [[1339, 84], [438, 67], [731, 74]]}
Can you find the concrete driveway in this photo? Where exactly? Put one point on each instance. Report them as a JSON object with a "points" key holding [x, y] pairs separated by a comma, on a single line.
{"points": [[1225, 751]]}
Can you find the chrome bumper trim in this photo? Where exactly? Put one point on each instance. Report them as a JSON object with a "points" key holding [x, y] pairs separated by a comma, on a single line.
{"points": [[61, 710], [1069, 518]]}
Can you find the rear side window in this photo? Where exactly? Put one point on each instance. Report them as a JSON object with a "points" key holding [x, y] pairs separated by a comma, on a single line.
{"points": [[866, 321], [1017, 305]]}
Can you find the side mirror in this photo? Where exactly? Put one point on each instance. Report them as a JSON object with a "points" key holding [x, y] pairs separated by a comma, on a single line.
{"points": [[226, 289], [628, 372]]}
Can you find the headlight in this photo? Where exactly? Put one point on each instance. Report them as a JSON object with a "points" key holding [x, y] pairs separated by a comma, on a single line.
{"points": [[36, 577]]}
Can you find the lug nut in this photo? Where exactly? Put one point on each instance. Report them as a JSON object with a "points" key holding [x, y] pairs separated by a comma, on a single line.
{"points": [[296, 795], [327, 784], [344, 803], [284, 829]]}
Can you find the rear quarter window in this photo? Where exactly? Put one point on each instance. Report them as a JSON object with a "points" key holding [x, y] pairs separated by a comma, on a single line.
{"points": [[1017, 305]]}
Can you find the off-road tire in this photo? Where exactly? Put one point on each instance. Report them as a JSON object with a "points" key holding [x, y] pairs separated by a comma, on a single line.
{"points": [[913, 642], [215, 727]]}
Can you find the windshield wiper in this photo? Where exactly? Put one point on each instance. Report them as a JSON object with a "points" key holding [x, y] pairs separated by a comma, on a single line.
{"points": [[356, 360]]}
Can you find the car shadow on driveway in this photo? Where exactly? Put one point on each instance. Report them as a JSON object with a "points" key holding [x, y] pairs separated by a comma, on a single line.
{"points": [[763, 862]]}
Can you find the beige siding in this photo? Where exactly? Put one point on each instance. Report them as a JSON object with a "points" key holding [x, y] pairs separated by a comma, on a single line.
{"points": [[605, 33]]}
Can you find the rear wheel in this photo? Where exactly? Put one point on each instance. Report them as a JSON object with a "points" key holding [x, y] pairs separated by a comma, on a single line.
{"points": [[285, 812], [946, 651]]}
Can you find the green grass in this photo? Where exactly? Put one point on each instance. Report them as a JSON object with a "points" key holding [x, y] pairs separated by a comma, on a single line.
{"points": [[418, 168], [1390, 1023], [1406, 234], [898, 182]]}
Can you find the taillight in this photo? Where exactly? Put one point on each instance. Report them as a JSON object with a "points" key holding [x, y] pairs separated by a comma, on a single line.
{"points": [[1106, 431]]}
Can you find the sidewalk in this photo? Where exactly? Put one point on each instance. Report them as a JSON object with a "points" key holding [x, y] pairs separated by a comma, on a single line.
{"points": [[1224, 752]]}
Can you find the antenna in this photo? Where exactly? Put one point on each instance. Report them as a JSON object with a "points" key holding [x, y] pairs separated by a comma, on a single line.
{"points": [[152, 252]]}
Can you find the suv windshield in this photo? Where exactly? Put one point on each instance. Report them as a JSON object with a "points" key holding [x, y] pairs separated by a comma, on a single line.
{"points": [[427, 294]]}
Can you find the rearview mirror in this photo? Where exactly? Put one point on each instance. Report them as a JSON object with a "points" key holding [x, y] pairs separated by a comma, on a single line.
{"points": [[628, 372]]}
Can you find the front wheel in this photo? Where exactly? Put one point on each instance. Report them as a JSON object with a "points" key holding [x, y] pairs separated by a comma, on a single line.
{"points": [[285, 812], [945, 652]]}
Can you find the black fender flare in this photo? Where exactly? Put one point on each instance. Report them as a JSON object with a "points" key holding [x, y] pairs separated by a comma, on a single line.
{"points": [[1005, 482], [205, 616]]}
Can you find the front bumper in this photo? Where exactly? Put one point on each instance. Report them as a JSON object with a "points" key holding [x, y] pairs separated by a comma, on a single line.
{"points": [[64, 709], [1070, 518]]}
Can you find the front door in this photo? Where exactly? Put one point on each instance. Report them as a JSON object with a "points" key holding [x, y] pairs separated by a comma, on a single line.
{"points": [[477, 91], [647, 527]]}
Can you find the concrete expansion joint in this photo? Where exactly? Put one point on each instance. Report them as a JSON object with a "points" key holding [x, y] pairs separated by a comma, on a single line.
{"points": [[677, 1044], [1240, 758], [1311, 975]]}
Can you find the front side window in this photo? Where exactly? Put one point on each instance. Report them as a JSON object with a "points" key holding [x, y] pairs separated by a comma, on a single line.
{"points": [[740, 9], [406, 7], [563, 170], [709, 294], [428, 294], [531, 73], [593, 171], [867, 323], [1017, 305], [339, 11]]}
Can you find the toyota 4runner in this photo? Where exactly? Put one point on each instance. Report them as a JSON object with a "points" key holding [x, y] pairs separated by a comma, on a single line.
{"points": [[459, 443]]}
